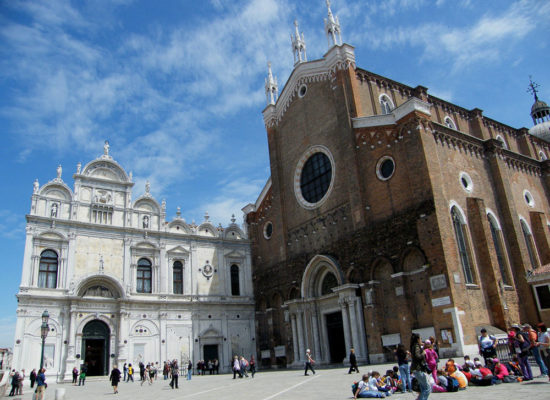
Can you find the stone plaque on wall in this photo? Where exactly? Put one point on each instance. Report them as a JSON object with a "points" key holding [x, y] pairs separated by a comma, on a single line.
{"points": [[280, 351], [265, 354], [441, 301], [399, 291], [438, 282]]}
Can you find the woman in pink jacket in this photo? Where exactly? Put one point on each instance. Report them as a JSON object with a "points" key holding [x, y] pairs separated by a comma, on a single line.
{"points": [[431, 358]]}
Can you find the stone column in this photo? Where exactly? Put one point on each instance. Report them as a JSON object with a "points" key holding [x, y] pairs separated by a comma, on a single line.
{"points": [[345, 320], [300, 324], [361, 328], [354, 326], [163, 276], [122, 336], [294, 338], [315, 329]]}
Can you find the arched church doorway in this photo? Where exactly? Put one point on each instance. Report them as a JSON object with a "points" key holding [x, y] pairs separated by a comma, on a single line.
{"points": [[95, 347]]}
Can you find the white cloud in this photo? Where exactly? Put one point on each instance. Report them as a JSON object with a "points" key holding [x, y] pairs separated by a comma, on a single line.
{"points": [[12, 225]]}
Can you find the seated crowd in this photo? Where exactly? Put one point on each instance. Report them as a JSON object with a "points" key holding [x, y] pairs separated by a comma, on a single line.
{"points": [[523, 342]]}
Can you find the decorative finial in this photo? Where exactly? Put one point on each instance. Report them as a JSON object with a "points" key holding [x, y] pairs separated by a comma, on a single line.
{"points": [[78, 166], [532, 88], [147, 187], [332, 29], [59, 171], [106, 148], [35, 186], [131, 176], [233, 219], [298, 45], [206, 216], [271, 88], [163, 204], [178, 212]]}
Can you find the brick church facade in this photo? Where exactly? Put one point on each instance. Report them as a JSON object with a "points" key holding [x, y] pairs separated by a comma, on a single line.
{"points": [[388, 211]]}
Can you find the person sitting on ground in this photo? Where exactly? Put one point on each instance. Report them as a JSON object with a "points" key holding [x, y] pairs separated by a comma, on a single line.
{"points": [[467, 362], [481, 376], [397, 378], [466, 372], [376, 380], [450, 366], [440, 384], [363, 389], [461, 378], [514, 367], [389, 380], [500, 370]]}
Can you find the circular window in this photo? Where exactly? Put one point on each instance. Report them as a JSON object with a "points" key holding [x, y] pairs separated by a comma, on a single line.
{"points": [[268, 230], [466, 182], [313, 177], [528, 198], [385, 168], [302, 91]]}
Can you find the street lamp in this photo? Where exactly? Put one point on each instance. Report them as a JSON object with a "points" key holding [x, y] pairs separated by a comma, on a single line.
{"points": [[44, 334]]}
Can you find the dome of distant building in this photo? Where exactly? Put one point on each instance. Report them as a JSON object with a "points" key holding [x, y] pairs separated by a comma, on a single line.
{"points": [[542, 131]]}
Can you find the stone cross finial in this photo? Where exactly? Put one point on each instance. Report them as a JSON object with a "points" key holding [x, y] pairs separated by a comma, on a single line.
{"points": [[233, 219], [206, 216]]}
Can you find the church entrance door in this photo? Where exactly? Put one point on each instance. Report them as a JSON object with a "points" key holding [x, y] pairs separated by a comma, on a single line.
{"points": [[95, 347], [210, 352], [335, 334]]}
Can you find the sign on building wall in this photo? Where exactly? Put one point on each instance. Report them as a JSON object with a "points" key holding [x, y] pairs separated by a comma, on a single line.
{"points": [[438, 282], [441, 301], [280, 351]]}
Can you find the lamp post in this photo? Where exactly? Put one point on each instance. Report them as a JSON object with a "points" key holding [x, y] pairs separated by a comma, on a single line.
{"points": [[44, 334]]}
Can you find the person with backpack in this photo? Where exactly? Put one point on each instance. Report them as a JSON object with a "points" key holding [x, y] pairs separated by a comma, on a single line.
{"points": [[244, 366], [130, 373], [419, 366], [175, 373], [522, 347]]}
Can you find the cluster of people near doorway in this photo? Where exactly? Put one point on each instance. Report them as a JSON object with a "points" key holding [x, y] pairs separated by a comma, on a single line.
{"points": [[17, 379], [424, 374]]}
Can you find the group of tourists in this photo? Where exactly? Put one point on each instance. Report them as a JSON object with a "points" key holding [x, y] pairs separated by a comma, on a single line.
{"points": [[423, 374], [241, 366], [212, 366], [17, 378]]}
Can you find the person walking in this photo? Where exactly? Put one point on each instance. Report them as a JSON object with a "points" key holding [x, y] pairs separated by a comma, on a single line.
{"points": [[189, 370], [352, 361], [175, 372], [130, 373], [419, 366], [236, 367], [41, 384], [125, 371], [14, 382], [21, 380], [403, 364], [32, 377], [309, 362], [252, 364], [115, 379], [83, 372]]}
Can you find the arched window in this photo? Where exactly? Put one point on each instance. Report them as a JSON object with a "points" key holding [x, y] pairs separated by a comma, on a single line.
{"points": [[529, 242], [460, 235], [329, 282], [449, 123], [501, 140], [386, 104], [47, 272], [499, 249], [178, 277], [144, 274], [235, 287]]}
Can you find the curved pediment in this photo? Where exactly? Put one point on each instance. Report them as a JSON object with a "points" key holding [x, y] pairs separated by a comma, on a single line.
{"points": [[107, 169], [233, 232], [100, 286], [207, 229], [147, 203], [56, 190], [179, 226]]}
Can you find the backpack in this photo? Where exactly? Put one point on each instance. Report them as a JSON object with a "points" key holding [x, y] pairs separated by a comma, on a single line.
{"points": [[526, 342], [354, 387], [452, 384]]}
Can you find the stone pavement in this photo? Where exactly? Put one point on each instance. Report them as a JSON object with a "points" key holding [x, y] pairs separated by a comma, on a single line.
{"points": [[283, 384]]}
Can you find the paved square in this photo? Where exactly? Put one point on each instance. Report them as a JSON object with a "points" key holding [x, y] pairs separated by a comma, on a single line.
{"points": [[284, 385]]}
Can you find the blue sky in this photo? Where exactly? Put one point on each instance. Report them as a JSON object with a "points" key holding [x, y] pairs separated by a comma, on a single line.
{"points": [[177, 88]]}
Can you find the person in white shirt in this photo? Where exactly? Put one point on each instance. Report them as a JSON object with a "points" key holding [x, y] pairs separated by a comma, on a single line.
{"points": [[364, 389]]}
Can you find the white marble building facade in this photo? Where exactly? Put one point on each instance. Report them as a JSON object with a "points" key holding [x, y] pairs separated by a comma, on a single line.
{"points": [[122, 284]]}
